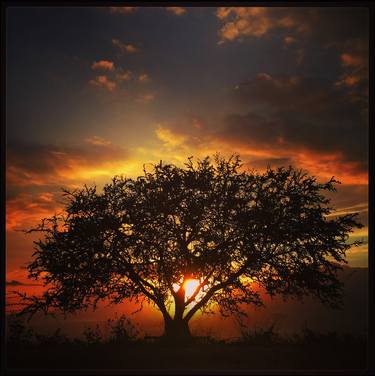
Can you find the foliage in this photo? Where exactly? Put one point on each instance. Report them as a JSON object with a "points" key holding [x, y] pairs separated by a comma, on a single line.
{"points": [[93, 335], [260, 336], [121, 330], [231, 229], [18, 333], [56, 338]]}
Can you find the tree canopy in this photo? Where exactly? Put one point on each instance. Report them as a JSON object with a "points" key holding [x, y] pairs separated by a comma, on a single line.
{"points": [[212, 221]]}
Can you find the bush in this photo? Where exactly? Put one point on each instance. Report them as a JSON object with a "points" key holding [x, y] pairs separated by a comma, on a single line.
{"points": [[121, 330], [259, 336], [93, 335], [57, 338], [18, 332]]}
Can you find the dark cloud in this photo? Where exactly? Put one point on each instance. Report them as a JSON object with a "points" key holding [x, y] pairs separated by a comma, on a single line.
{"points": [[37, 159], [18, 283], [308, 95], [299, 113]]}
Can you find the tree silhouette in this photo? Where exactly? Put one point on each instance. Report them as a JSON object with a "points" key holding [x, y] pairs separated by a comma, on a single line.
{"points": [[211, 221]]}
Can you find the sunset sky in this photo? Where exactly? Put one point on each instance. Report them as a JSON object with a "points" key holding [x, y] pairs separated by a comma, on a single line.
{"points": [[93, 92]]}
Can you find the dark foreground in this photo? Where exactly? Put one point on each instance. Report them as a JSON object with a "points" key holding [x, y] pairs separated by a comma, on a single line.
{"points": [[210, 356]]}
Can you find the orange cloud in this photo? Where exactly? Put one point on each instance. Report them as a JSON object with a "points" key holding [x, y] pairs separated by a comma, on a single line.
{"points": [[115, 77], [50, 165], [180, 140], [95, 140], [27, 209], [169, 137], [349, 60], [103, 81], [288, 40], [122, 75], [145, 98], [355, 65], [103, 65], [143, 77], [358, 208], [178, 11], [348, 80], [238, 22], [251, 21], [223, 12], [324, 165], [319, 24], [36, 173], [130, 48], [125, 47]]}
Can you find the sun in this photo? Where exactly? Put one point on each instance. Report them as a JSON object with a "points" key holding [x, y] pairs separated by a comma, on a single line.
{"points": [[190, 287]]}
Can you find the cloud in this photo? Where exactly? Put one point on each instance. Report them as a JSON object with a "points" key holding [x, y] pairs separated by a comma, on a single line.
{"points": [[168, 137], [292, 93], [305, 122], [252, 21], [105, 65], [326, 26], [145, 97], [96, 140], [36, 173], [300, 114], [349, 60], [105, 82], [257, 22], [357, 208], [114, 78], [143, 77], [122, 75], [18, 283], [126, 48], [354, 62], [28, 208], [190, 136], [348, 80], [288, 40], [123, 10], [178, 11], [44, 165]]}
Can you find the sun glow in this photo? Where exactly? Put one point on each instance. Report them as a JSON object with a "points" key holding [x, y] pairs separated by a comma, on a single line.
{"points": [[190, 287]]}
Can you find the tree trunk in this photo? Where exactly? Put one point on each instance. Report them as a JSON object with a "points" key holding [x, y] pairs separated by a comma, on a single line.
{"points": [[177, 330]]}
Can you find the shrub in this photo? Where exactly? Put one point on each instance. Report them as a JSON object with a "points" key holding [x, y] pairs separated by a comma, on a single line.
{"points": [[121, 330]]}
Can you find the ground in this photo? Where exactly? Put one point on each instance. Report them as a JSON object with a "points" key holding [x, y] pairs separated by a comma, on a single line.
{"points": [[209, 356]]}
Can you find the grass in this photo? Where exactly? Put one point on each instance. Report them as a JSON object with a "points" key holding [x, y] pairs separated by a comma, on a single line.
{"points": [[122, 348]]}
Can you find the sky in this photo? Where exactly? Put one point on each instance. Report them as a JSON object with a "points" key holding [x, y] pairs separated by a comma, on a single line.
{"points": [[93, 92]]}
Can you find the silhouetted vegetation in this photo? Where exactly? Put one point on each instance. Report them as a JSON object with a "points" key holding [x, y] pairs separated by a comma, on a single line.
{"points": [[120, 331], [229, 229], [260, 336], [123, 348]]}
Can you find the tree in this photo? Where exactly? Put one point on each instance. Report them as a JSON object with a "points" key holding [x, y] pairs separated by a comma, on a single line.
{"points": [[230, 230]]}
